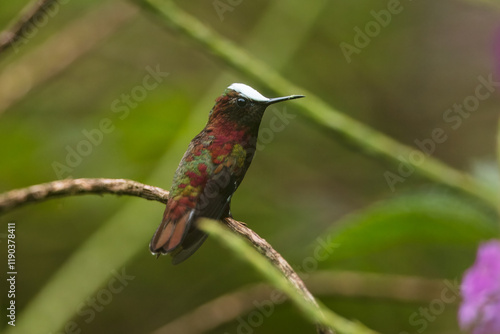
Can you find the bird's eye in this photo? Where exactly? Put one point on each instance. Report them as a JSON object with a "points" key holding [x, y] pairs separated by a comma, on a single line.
{"points": [[241, 102]]}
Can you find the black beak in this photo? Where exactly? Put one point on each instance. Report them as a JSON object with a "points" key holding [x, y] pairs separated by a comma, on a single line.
{"points": [[285, 98]]}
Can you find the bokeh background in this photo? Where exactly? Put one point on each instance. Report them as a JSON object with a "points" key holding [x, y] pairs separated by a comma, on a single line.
{"points": [[304, 184]]}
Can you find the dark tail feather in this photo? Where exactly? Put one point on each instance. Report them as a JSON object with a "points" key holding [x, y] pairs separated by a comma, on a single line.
{"points": [[193, 241], [170, 234], [180, 238], [195, 238]]}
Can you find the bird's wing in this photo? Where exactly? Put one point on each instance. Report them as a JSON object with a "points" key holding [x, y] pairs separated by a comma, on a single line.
{"points": [[228, 172], [214, 200]]}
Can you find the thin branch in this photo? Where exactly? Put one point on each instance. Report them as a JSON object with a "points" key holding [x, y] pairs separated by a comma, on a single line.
{"points": [[230, 306], [64, 188], [280, 274], [19, 25], [264, 248], [41, 192]]}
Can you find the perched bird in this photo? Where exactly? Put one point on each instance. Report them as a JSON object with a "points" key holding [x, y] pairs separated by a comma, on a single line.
{"points": [[211, 170]]}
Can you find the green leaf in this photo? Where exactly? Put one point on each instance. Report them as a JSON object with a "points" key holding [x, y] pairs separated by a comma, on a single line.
{"points": [[423, 219]]}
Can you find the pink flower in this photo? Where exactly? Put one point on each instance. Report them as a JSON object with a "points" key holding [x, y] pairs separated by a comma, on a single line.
{"points": [[480, 309]]}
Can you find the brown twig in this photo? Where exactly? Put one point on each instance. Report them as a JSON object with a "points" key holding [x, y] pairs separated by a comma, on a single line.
{"points": [[278, 261], [21, 23], [70, 187]]}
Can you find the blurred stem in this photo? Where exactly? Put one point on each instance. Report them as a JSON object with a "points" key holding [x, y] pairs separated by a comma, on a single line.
{"points": [[369, 140], [498, 144], [492, 3], [17, 28], [230, 306], [280, 274], [284, 271], [60, 51], [498, 156]]}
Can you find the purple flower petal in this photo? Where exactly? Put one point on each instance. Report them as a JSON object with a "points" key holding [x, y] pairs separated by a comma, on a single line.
{"points": [[480, 308]]}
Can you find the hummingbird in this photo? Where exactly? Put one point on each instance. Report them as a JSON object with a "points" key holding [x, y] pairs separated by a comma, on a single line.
{"points": [[211, 170]]}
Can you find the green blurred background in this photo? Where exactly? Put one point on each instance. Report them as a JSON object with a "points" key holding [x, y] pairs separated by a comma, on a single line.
{"points": [[302, 185]]}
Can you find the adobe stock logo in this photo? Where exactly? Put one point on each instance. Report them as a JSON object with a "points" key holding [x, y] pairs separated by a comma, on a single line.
{"points": [[120, 107], [453, 118], [221, 7], [427, 315], [373, 28], [277, 123], [48, 11], [93, 305]]}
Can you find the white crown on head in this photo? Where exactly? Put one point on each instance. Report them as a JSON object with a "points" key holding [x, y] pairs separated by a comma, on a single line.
{"points": [[248, 92]]}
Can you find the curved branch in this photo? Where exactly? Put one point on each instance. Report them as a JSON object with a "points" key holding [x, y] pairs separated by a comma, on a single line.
{"points": [[71, 187], [41, 192], [264, 248], [280, 274]]}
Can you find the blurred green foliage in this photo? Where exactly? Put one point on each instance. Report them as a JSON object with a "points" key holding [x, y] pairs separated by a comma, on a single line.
{"points": [[303, 185], [411, 223]]}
